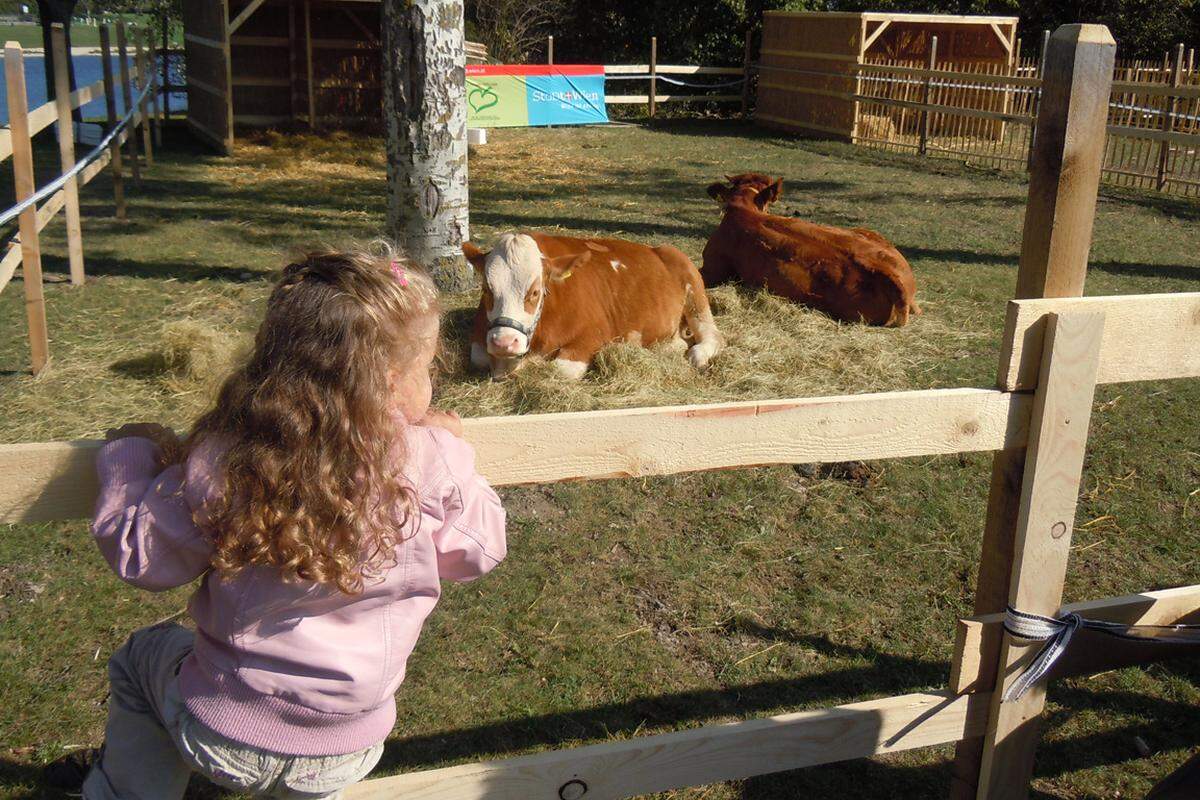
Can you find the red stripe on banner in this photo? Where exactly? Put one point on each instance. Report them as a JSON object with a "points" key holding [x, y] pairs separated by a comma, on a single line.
{"points": [[484, 70]]}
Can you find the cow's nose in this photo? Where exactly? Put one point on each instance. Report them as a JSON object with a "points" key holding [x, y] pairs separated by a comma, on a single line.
{"points": [[504, 341]]}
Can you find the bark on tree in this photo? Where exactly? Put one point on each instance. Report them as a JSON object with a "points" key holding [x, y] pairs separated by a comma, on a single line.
{"points": [[425, 115]]}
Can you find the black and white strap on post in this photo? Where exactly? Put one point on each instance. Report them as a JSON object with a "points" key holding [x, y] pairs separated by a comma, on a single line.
{"points": [[1057, 634]]}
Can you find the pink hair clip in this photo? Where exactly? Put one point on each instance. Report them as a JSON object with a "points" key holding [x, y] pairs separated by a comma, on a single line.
{"points": [[401, 275]]}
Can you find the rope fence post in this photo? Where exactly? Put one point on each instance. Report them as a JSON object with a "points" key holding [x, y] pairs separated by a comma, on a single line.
{"points": [[23, 184], [653, 76], [746, 67], [127, 95], [550, 50], [66, 149], [139, 65], [152, 79], [1168, 123], [922, 146], [110, 108]]}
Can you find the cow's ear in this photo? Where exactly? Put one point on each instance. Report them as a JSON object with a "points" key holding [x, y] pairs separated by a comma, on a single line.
{"points": [[559, 268], [476, 256], [718, 191], [769, 195]]}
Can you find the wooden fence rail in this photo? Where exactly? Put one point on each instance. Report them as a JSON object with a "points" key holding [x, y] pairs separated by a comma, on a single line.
{"points": [[16, 141]]}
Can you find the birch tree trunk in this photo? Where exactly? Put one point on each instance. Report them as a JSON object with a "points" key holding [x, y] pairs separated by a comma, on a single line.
{"points": [[425, 115]]}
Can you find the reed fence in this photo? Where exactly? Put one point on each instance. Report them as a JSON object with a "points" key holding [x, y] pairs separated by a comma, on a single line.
{"points": [[984, 113], [35, 208], [1057, 347]]}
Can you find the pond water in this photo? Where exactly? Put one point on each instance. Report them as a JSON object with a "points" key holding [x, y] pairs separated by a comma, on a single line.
{"points": [[88, 70]]}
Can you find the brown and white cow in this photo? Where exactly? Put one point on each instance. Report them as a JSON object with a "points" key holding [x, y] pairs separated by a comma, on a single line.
{"points": [[565, 298], [851, 274]]}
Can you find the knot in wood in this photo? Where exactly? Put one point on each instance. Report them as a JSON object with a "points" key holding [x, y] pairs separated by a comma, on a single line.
{"points": [[572, 790], [1057, 530]]}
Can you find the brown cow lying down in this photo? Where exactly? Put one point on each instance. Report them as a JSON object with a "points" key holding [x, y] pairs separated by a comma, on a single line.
{"points": [[854, 274], [565, 298]]}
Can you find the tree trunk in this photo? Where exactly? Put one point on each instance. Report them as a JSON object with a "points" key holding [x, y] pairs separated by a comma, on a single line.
{"points": [[425, 115]]}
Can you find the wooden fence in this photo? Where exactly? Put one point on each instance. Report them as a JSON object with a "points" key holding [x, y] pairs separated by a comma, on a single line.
{"points": [[1035, 421], [16, 140], [984, 114]]}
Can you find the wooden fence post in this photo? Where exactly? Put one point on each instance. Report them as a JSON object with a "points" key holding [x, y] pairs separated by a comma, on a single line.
{"points": [[1058, 433], [152, 79], [165, 68], [66, 149], [31, 256], [139, 65], [1168, 123], [924, 143], [127, 96], [746, 70], [110, 108], [653, 76], [1059, 215]]}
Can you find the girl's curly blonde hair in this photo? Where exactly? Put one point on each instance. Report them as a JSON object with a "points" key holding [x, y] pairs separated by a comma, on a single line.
{"points": [[311, 480]]}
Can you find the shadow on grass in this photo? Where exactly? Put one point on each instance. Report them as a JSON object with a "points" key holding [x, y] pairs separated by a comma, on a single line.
{"points": [[1169, 725]]}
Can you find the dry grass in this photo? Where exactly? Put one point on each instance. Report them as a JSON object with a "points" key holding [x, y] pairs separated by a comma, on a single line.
{"points": [[773, 349]]}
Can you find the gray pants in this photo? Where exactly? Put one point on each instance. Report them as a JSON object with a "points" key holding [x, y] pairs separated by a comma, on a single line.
{"points": [[152, 743]]}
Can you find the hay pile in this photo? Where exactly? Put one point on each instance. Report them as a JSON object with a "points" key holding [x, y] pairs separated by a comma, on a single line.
{"points": [[773, 349]]}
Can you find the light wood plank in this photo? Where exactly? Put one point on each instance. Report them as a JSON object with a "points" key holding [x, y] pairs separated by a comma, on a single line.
{"points": [[55, 480], [66, 151], [975, 636], [870, 40], [23, 188], [1146, 337], [949, 75], [244, 15], [695, 757], [1186, 139], [203, 40], [770, 51], [1049, 494]]}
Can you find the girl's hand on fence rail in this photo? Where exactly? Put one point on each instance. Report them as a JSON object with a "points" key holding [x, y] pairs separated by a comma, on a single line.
{"points": [[170, 448], [446, 420]]}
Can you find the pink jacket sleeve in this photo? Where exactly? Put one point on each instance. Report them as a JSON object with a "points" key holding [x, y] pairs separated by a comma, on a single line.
{"points": [[471, 540], [143, 522]]}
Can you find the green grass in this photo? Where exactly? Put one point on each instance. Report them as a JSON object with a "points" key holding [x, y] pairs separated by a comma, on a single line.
{"points": [[30, 34], [633, 605]]}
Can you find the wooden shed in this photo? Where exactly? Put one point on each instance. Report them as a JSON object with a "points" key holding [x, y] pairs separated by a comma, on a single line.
{"points": [[257, 63], [809, 80]]}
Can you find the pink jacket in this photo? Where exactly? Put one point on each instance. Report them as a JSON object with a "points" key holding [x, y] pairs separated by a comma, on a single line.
{"points": [[295, 668]]}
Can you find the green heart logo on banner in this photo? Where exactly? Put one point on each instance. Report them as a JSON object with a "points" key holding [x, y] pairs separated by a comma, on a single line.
{"points": [[482, 98]]}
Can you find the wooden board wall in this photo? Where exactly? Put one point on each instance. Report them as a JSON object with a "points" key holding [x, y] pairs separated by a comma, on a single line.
{"points": [[270, 69], [795, 96], [208, 90]]}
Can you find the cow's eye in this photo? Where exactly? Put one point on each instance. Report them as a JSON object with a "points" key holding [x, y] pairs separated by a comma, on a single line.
{"points": [[535, 293]]}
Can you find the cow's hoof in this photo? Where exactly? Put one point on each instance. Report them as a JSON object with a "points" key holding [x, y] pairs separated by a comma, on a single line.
{"points": [[701, 354], [571, 370]]}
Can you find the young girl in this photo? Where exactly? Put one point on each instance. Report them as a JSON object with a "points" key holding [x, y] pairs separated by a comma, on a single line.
{"points": [[320, 502]]}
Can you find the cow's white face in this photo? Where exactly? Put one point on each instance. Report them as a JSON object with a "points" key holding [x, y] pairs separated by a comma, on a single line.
{"points": [[513, 294]]}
